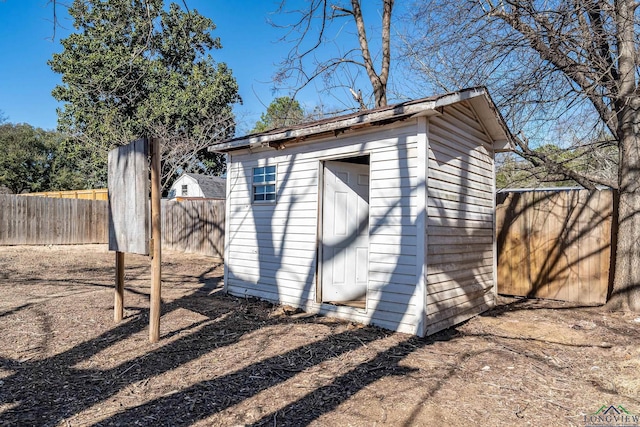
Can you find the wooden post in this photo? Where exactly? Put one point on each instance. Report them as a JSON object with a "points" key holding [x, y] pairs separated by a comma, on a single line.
{"points": [[118, 305], [156, 244]]}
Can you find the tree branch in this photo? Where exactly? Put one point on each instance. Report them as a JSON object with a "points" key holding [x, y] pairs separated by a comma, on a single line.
{"points": [[552, 53]]}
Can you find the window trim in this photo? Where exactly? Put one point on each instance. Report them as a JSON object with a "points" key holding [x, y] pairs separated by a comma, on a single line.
{"points": [[264, 183]]}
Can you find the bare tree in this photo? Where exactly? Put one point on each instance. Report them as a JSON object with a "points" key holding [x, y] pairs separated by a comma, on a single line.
{"points": [[313, 27], [545, 62], [187, 151]]}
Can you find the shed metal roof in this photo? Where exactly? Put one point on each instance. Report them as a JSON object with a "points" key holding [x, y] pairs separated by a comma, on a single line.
{"points": [[479, 98]]}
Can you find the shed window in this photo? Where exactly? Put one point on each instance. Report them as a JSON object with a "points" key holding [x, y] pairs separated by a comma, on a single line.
{"points": [[264, 184], [185, 190]]}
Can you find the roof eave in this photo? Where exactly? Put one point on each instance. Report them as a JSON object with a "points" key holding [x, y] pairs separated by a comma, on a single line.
{"points": [[334, 126], [428, 107]]}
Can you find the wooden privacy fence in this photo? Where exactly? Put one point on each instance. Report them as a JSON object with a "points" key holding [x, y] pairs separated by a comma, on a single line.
{"points": [[555, 244], [45, 221], [195, 226], [93, 194]]}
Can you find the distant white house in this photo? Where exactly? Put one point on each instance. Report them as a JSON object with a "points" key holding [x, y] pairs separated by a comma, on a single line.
{"points": [[194, 185]]}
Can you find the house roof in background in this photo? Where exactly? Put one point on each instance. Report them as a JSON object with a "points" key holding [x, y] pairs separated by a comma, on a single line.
{"points": [[213, 187], [479, 98]]}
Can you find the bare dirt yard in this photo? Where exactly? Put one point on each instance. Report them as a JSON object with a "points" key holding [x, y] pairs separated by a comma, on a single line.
{"points": [[225, 361]]}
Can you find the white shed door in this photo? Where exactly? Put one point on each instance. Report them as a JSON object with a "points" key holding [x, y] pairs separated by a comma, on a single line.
{"points": [[345, 231]]}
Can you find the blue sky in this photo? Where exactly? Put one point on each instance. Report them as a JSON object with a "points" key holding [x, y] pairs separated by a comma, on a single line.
{"points": [[249, 42]]}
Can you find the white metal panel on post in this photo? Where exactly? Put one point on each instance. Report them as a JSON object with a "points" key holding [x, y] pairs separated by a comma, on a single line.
{"points": [[128, 180]]}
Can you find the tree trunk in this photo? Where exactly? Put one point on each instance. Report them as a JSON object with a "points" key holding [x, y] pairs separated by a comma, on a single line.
{"points": [[379, 93], [378, 81], [626, 284], [625, 294]]}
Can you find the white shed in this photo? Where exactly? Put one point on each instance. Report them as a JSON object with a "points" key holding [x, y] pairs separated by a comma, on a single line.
{"points": [[384, 217]]}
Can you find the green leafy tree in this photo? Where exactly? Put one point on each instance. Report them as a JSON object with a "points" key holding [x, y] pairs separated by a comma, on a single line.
{"points": [[134, 69], [73, 165], [34, 159], [546, 166], [25, 157], [282, 112], [512, 172]]}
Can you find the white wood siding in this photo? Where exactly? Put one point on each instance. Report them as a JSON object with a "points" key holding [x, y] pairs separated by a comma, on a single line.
{"points": [[460, 212], [272, 248], [193, 188], [431, 244]]}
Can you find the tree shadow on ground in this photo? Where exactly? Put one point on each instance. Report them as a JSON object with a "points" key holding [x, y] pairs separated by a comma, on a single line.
{"points": [[327, 398], [56, 388], [509, 304]]}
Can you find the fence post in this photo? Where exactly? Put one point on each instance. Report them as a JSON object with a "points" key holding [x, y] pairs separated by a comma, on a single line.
{"points": [[118, 305], [156, 239]]}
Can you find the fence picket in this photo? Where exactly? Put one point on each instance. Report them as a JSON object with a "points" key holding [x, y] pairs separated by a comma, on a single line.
{"points": [[555, 244], [194, 226]]}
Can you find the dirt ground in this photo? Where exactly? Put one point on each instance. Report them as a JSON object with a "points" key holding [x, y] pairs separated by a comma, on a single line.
{"points": [[227, 361]]}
